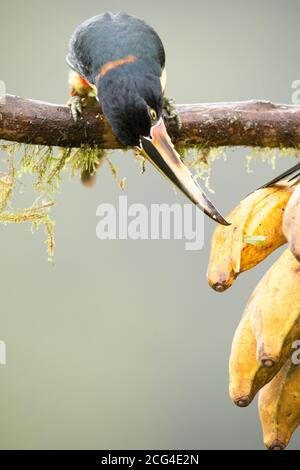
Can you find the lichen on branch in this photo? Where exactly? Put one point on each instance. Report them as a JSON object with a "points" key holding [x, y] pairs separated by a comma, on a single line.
{"points": [[45, 165]]}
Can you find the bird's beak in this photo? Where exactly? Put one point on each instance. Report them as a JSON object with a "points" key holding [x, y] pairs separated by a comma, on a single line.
{"points": [[160, 151]]}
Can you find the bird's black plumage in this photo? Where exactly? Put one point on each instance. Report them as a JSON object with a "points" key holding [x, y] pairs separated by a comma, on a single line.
{"points": [[108, 37], [125, 93]]}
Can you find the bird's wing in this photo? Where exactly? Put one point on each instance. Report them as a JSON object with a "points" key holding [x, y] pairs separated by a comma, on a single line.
{"points": [[70, 63], [76, 66]]}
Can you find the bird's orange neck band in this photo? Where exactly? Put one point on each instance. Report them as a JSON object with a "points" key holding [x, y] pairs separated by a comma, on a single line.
{"points": [[114, 64]]}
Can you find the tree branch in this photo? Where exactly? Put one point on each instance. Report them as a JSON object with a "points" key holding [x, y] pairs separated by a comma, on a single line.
{"points": [[249, 123]]}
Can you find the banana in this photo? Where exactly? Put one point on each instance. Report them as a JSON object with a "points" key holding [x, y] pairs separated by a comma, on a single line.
{"points": [[246, 375], [291, 222], [254, 233], [279, 407], [275, 319]]}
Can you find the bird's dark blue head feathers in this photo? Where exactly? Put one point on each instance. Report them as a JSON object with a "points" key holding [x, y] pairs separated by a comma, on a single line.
{"points": [[131, 99]]}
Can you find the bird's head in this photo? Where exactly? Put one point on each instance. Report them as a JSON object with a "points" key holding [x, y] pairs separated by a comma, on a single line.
{"points": [[131, 98], [132, 101]]}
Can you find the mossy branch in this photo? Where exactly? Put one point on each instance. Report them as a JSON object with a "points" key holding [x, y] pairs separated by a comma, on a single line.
{"points": [[250, 123], [43, 141]]}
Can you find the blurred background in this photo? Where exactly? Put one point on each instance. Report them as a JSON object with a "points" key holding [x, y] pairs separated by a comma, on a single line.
{"points": [[122, 344]]}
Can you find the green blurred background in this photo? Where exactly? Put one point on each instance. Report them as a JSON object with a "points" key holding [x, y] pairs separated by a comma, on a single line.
{"points": [[122, 344]]}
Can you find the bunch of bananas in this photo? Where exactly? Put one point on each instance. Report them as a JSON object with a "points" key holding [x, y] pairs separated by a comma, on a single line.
{"points": [[262, 354]]}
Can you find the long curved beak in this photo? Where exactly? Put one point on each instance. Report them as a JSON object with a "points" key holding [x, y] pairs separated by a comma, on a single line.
{"points": [[160, 151]]}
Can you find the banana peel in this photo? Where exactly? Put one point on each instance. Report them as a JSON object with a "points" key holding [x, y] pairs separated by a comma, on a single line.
{"points": [[279, 407], [246, 375], [291, 222], [275, 319], [254, 233]]}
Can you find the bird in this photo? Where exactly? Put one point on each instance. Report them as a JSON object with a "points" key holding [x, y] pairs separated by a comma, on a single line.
{"points": [[120, 60]]}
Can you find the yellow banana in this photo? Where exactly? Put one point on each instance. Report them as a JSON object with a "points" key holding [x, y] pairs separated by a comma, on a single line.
{"points": [[275, 319], [291, 222], [279, 407], [246, 375], [254, 233]]}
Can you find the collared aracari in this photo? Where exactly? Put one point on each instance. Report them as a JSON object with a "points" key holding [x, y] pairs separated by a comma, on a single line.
{"points": [[120, 59]]}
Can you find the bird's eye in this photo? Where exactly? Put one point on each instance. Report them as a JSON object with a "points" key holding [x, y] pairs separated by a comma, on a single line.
{"points": [[153, 114]]}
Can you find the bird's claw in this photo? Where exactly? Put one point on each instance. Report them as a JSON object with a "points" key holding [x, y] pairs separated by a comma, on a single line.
{"points": [[75, 105], [170, 112]]}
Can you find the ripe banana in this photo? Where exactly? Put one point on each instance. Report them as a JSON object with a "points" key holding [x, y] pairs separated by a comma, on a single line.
{"points": [[246, 375], [291, 222], [276, 317], [279, 407], [254, 233]]}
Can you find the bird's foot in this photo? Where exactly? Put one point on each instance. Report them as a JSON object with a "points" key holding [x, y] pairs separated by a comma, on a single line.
{"points": [[170, 112], [77, 103]]}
